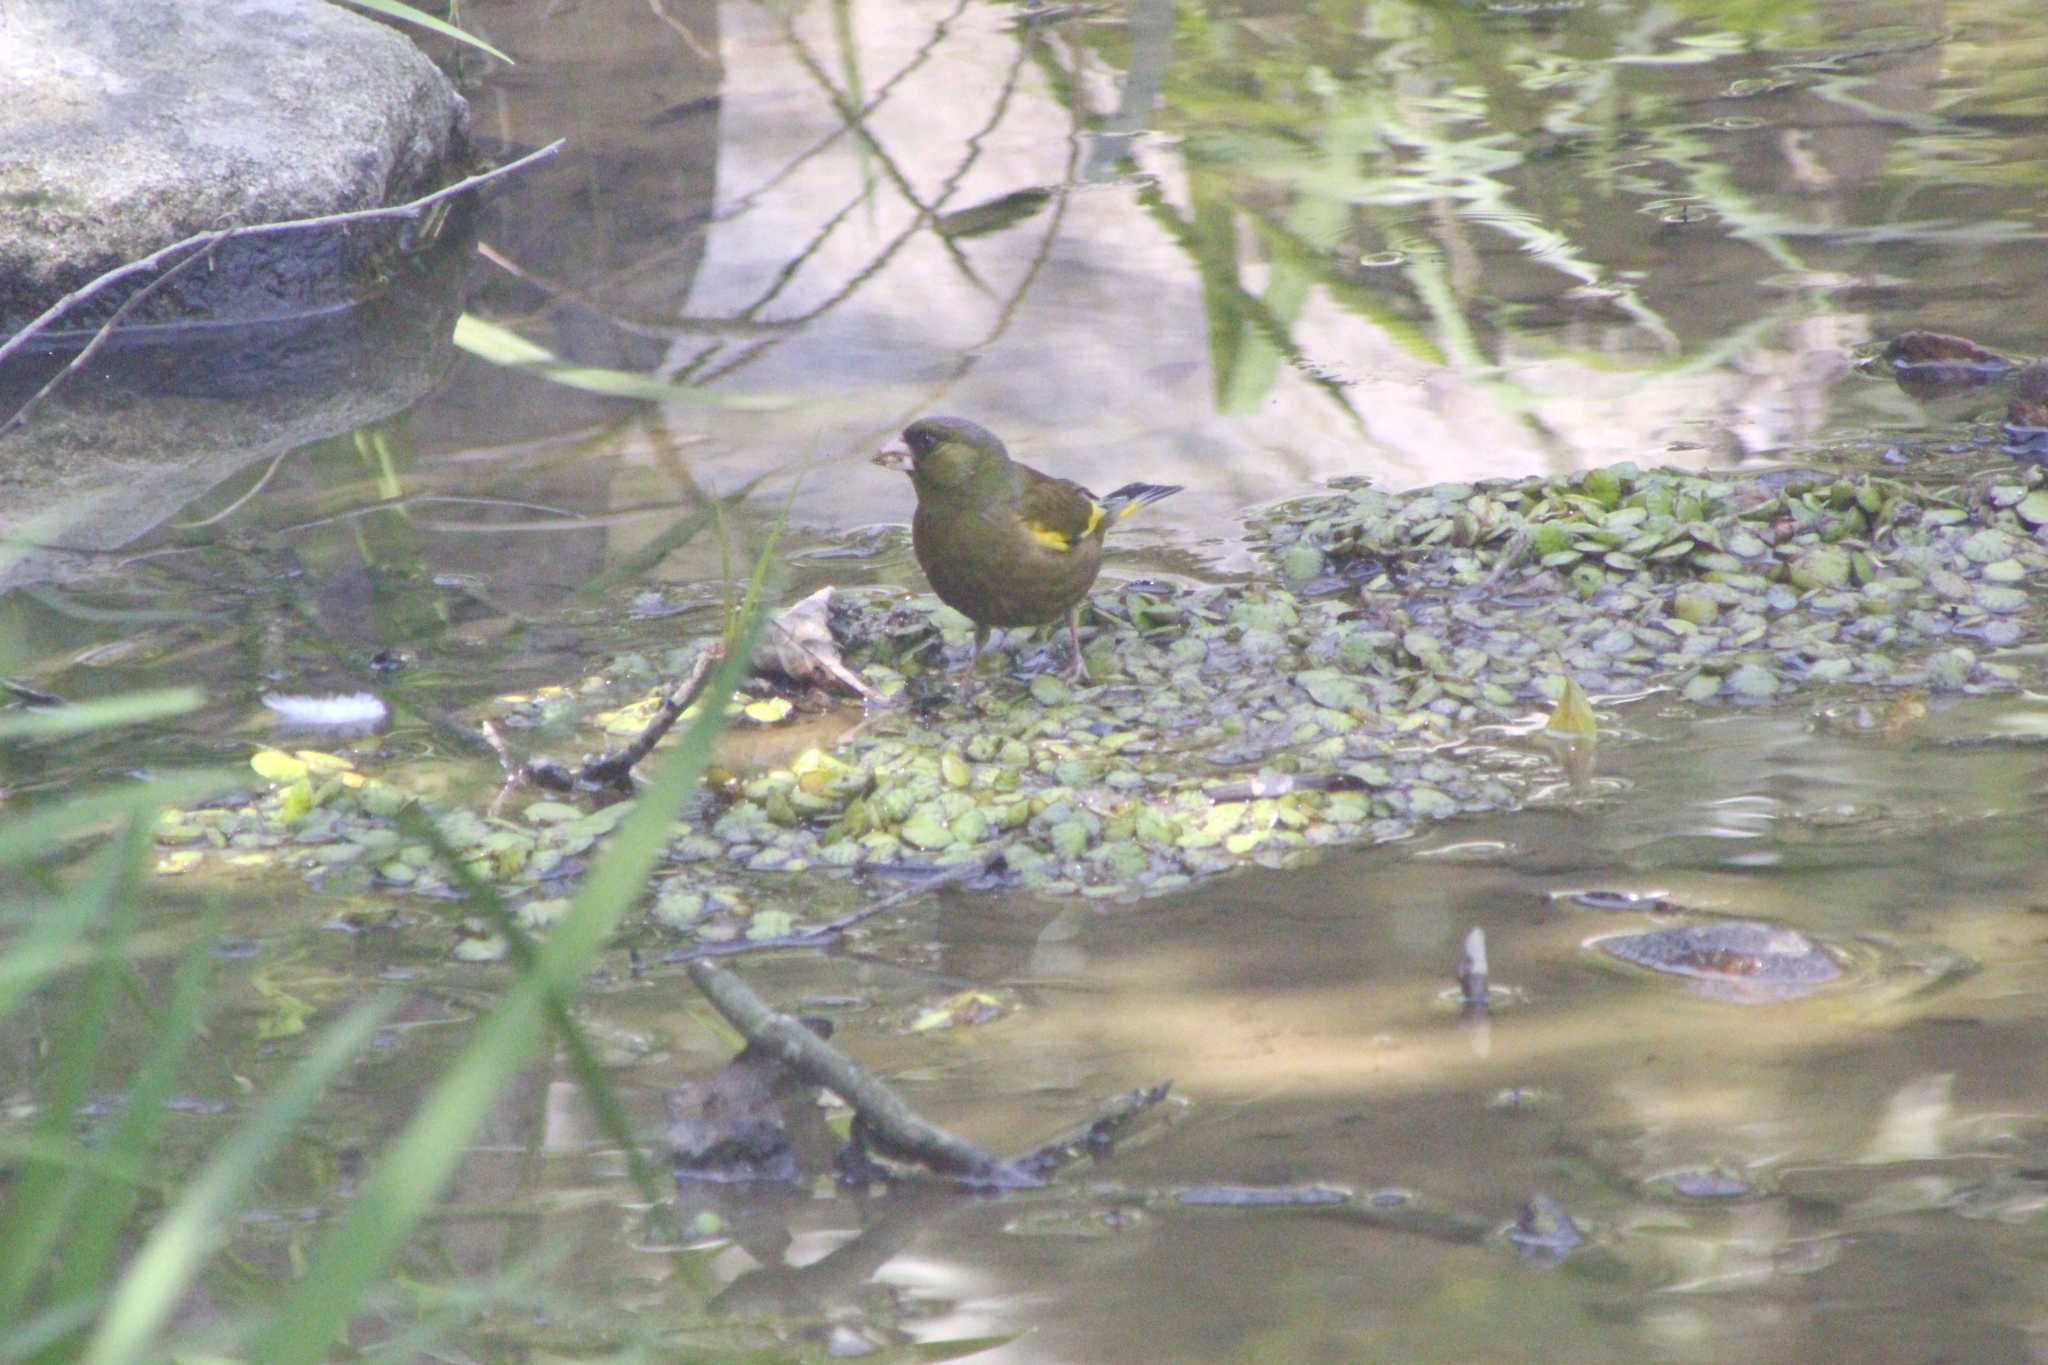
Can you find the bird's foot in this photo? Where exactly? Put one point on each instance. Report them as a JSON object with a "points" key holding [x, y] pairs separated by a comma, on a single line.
{"points": [[1077, 670], [973, 661]]}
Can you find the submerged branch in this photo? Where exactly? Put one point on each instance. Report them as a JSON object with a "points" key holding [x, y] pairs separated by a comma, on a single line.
{"points": [[896, 1129], [1383, 1210], [1094, 1137], [883, 1120], [616, 770], [829, 933]]}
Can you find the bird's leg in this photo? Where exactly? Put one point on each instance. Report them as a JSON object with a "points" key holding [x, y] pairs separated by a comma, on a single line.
{"points": [[1077, 671], [973, 658]]}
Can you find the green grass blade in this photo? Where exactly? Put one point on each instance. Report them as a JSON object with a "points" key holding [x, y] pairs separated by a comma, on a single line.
{"points": [[78, 717], [93, 1243], [188, 1234], [32, 837], [418, 1165], [404, 13], [24, 968], [659, 547], [582, 1061], [53, 945], [33, 1218], [437, 1312], [742, 621], [63, 1152], [47, 1329]]}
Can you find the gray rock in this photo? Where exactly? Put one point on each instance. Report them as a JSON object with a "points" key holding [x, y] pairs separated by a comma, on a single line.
{"points": [[105, 463], [127, 125]]}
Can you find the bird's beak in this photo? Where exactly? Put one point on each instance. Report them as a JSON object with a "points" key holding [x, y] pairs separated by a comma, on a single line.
{"points": [[895, 455]]}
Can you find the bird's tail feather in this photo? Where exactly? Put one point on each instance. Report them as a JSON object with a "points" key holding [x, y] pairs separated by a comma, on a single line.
{"points": [[1132, 496]]}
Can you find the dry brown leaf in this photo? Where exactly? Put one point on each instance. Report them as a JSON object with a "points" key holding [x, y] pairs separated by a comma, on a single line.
{"points": [[799, 645]]}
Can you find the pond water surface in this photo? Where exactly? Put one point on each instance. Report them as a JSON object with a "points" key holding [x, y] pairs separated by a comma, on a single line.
{"points": [[1243, 248]]}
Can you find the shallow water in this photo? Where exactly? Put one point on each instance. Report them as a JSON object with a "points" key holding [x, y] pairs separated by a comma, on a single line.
{"points": [[1414, 242]]}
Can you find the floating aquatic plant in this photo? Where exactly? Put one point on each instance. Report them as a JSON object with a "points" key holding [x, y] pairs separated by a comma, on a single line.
{"points": [[1375, 680]]}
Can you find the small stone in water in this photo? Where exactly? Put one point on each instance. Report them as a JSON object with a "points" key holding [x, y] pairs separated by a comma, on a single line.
{"points": [[1544, 1232], [1743, 960], [1709, 1185]]}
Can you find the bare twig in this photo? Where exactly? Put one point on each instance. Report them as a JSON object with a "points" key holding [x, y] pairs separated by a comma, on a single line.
{"points": [[610, 770], [1387, 1210], [615, 770], [896, 1129], [29, 696], [183, 251], [682, 31], [672, 330], [99, 339], [238, 503], [560, 518], [931, 44], [503, 750], [829, 933], [1096, 1135], [1472, 972]]}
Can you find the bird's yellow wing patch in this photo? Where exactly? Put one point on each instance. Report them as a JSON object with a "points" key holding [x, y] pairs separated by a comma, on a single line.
{"points": [[1055, 539]]}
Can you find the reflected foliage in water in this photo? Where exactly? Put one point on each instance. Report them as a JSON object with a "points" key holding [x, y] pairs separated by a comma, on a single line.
{"points": [[1246, 249]]}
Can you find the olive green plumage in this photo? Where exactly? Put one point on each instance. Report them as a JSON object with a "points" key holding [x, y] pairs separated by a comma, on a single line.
{"points": [[1003, 544]]}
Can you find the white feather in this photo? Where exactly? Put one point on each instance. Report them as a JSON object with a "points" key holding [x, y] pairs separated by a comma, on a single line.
{"points": [[356, 710]]}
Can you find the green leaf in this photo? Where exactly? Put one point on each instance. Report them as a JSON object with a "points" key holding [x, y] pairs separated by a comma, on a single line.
{"points": [[274, 765], [1573, 715], [959, 1348], [993, 215], [502, 346], [770, 924], [1048, 690]]}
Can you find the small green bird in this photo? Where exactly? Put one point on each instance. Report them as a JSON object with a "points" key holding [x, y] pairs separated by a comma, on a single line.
{"points": [[1003, 544]]}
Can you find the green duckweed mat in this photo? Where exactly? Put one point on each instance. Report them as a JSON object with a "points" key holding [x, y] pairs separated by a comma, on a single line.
{"points": [[1390, 668]]}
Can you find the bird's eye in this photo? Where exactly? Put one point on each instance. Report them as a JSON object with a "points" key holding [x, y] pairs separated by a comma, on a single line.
{"points": [[920, 443]]}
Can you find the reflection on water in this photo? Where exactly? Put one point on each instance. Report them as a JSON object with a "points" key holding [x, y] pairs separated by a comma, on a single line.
{"points": [[1237, 251], [1839, 1171], [1247, 251], [1242, 249]]}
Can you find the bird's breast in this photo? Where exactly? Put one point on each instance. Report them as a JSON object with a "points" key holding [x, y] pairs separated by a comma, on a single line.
{"points": [[997, 573]]}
